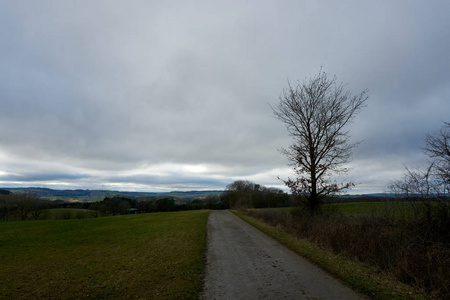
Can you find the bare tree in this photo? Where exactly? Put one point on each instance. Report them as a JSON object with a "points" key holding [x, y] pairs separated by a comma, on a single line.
{"points": [[434, 181], [315, 112], [415, 182], [25, 202], [431, 185], [240, 192], [438, 148]]}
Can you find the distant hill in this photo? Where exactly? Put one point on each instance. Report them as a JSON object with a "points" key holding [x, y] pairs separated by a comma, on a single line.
{"points": [[98, 195], [80, 194]]}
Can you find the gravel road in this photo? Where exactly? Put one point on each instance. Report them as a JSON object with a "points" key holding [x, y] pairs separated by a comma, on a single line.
{"points": [[244, 263]]}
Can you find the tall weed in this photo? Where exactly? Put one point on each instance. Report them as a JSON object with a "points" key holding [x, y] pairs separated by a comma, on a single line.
{"points": [[415, 251]]}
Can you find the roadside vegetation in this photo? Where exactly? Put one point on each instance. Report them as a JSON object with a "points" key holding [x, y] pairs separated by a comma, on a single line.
{"points": [[372, 247], [145, 256]]}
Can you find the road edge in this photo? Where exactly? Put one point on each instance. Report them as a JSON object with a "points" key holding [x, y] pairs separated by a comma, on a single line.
{"points": [[359, 277]]}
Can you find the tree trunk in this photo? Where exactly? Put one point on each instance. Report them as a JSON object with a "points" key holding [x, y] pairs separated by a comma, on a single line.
{"points": [[313, 203]]}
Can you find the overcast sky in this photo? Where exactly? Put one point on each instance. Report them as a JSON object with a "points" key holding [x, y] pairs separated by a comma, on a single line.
{"points": [[176, 95]]}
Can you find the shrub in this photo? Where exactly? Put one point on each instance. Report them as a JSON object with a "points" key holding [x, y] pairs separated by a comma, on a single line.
{"points": [[415, 251]]}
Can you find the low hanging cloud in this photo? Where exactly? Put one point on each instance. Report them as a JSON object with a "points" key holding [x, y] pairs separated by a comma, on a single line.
{"points": [[165, 95]]}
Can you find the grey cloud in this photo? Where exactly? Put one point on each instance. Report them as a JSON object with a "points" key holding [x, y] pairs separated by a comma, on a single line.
{"points": [[111, 87], [175, 181], [40, 177]]}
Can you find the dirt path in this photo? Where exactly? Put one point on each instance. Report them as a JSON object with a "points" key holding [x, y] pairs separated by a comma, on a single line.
{"points": [[244, 263]]}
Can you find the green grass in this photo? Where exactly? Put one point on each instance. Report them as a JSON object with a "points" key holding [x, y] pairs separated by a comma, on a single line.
{"points": [[398, 210], [95, 199], [67, 213], [360, 277], [357, 208], [77, 198], [147, 256]]}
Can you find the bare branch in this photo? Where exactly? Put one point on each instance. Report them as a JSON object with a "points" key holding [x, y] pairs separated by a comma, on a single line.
{"points": [[438, 148], [315, 113]]}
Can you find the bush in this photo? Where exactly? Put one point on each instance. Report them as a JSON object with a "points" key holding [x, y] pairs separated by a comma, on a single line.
{"points": [[415, 251]]}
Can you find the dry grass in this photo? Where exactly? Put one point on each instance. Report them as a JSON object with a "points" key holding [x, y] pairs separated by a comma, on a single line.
{"points": [[414, 252]]}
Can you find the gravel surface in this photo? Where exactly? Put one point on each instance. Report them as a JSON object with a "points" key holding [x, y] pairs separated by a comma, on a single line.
{"points": [[244, 263]]}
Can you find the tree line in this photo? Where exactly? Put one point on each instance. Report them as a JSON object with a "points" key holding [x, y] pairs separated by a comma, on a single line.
{"points": [[239, 194], [246, 194], [23, 206]]}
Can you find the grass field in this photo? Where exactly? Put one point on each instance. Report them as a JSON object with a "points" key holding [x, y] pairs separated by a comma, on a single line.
{"points": [[147, 256], [357, 208], [398, 210], [393, 209], [67, 213]]}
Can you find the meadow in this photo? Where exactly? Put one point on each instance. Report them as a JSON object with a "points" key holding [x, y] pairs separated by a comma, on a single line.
{"points": [[145, 256], [398, 210]]}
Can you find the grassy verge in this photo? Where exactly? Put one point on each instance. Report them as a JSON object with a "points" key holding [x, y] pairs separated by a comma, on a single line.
{"points": [[360, 277], [147, 256]]}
